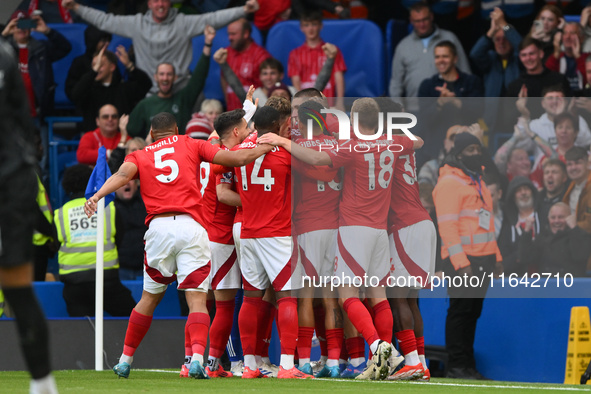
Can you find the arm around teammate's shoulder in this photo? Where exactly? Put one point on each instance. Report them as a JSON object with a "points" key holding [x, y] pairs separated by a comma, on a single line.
{"points": [[240, 157], [309, 156]]}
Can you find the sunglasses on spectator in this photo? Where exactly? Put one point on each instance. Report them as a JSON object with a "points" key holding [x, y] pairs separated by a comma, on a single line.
{"points": [[107, 116]]}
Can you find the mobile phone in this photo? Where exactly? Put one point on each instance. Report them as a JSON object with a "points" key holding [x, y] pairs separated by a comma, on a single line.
{"points": [[26, 24], [37, 13], [538, 25]]}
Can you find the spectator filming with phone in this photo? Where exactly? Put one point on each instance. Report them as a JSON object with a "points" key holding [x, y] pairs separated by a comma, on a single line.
{"points": [[35, 58]]}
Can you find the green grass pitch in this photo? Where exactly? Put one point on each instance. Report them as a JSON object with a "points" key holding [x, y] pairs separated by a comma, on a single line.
{"points": [[161, 381]]}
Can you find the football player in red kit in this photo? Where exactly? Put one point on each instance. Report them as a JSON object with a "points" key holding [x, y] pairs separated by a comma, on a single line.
{"points": [[176, 241]]}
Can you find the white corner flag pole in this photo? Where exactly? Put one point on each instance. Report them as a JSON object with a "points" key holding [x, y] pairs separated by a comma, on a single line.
{"points": [[100, 247]]}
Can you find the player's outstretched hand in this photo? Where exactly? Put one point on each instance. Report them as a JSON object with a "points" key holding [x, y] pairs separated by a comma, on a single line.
{"points": [[90, 206], [271, 139]]}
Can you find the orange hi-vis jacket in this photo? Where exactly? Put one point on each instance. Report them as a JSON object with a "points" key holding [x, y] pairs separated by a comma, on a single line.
{"points": [[459, 202]]}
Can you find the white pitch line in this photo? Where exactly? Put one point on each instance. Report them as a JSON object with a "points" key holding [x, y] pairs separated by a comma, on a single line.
{"points": [[465, 385], [157, 370], [494, 386]]}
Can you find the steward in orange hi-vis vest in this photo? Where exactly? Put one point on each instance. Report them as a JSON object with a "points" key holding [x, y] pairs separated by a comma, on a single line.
{"points": [[469, 249]]}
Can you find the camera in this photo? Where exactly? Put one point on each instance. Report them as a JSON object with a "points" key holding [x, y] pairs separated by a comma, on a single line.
{"points": [[26, 24]]}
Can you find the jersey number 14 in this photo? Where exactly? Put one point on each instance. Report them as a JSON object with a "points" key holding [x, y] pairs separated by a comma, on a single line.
{"points": [[255, 179]]}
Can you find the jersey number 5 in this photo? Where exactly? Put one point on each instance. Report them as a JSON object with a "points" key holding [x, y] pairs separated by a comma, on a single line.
{"points": [[160, 164], [266, 180]]}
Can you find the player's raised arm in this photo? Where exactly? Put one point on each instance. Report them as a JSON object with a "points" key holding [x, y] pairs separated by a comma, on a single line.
{"points": [[125, 174], [306, 155], [241, 157]]}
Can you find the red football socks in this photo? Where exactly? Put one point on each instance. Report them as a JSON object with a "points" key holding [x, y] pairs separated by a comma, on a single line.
{"points": [[334, 341], [421, 346], [361, 319], [266, 316], [355, 347], [188, 349], [305, 335], [407, 341], [221, 327], [383, 321], [319, 322], [137, 328], [198, 327], [344, 351], [287, 318], [247, 322]]}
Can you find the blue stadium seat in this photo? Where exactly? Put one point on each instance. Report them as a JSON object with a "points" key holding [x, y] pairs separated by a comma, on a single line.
{"points": [[396, 30], [360, 41], [75, 34], [213, 89], [62, 154], [59, 162], [572, 18]]}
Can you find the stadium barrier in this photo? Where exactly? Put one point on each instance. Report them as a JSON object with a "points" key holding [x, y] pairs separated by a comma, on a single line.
{"points": [[531, 332]]}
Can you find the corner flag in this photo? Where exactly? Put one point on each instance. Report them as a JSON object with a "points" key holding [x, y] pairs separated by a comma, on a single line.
{"points": [[98, 178], [99, 175]]}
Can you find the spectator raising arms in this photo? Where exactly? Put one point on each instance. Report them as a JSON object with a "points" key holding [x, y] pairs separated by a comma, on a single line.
{"points": [[178, 103], [101, 85], [306, 61], [244, 56], [161, 34]]}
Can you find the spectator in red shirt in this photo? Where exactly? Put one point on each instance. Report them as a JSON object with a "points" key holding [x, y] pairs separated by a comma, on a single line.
{"points": [[106, 134], [305, 62], [244, 58]]}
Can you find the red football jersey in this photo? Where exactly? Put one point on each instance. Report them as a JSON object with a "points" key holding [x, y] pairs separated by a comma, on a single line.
{"points": [[168, 172], [316, 201], [306, 62], [246, 66], [265, 191], [218, 217], [369, 166], [405, 206]]}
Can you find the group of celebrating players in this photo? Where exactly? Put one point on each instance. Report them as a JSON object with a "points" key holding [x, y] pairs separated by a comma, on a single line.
{"points": [[351, 209]]}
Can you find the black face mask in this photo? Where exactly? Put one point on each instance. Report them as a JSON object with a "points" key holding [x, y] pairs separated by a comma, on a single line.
{"points": [[473, 163]]}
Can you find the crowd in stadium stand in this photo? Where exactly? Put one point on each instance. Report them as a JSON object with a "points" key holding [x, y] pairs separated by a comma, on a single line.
{"points": [[513, 81]]}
